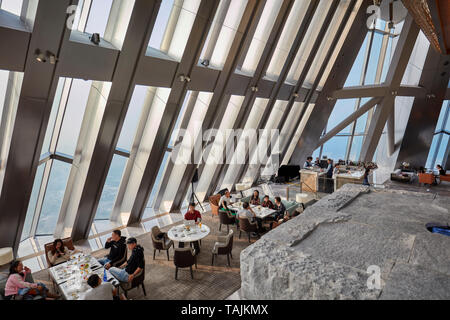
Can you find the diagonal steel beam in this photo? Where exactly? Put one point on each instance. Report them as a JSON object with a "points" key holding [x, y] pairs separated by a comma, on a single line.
{"points": [[336, 80], [194, 46], [139, 30], [347, 121], [217, 107], [38, 87], [283, 74], [394, 77], [250, 97]]}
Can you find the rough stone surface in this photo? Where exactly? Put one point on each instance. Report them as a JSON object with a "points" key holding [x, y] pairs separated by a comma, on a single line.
{"points": [[325, 252]]}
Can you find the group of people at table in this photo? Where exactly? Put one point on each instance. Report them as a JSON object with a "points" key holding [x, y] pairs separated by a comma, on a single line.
{"points": [[279, 216], [17, 284]]}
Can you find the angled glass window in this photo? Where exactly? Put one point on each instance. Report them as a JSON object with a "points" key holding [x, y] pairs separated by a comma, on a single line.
{"points": [[261, 36], [54, 194], [73, 117], [342, 109], [148, 211], [176, 28], [335, 148], [354, 77], [161, 23], [33, 202], [109, 193], [223, 32], [287, 38], [13, 6], [3, 87], [98, 16], [132, 118]]}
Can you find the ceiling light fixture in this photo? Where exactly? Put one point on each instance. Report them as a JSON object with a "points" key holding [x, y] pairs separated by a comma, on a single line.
{"points": [[95, 38]]}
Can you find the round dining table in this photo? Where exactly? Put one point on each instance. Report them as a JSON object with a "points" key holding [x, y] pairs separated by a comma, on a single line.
{"points": [[194, 235]]}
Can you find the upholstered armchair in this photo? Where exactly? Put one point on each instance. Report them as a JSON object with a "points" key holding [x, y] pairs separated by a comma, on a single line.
{"points": [[137, 281], [184, 258], [160, 243], [223, 246], [226, 218], [246, 226], [214, 203]]}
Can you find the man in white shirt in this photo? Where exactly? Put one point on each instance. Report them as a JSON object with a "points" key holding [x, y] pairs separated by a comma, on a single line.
{"points": [[100, 290], [308, 163], [225, 201], [247, 212]]}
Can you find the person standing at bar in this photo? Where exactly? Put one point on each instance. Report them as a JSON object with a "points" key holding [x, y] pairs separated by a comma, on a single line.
{"points": [[308, 163]]}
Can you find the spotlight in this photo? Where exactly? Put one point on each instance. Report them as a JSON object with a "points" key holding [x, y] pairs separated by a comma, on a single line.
{"points": [[52, 58], [95, 38], [40, 56], [205, 62]]}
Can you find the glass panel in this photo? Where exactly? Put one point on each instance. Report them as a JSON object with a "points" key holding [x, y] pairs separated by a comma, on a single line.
{"points": [[73, 116], [53, 114], [176, 28], [33, 201], [354, 77], [335, 148], [387, 60], [342, 110], [443, 121], [373, 59], [441, 149], [53, 197], [160, 24], [132, 119], [432, 152], [162, 169], [111, 187], [227, 33], [3, 86], [356, 148], [13, 6], [98, 16]]}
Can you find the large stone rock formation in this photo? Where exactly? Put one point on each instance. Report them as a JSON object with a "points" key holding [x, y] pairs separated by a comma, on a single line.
{"points": [[325, 252]]}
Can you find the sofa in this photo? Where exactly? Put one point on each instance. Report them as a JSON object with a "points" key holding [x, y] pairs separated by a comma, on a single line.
{"points": [[4, 278], [291, 206]]}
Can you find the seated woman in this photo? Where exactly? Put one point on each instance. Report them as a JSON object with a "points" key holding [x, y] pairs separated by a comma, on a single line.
{"points": [[59, 254], [255, 198], [267, 203], [16, 285]]}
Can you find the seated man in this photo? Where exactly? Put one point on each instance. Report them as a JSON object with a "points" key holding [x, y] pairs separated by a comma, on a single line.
{"points": [[133, 266], [118, 247], [248, 213], [281, 210], [308, 163], [193, 214], [101, 290], [225, 202]]}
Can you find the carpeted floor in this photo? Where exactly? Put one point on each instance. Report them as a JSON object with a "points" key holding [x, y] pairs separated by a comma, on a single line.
{"points": [[210, 282]]}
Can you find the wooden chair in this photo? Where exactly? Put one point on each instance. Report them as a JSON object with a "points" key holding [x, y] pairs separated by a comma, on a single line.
{"points": [[137, 281], [184, 258], [226, 218], [67, 242], [160, 244], [223, 246], [246, 226], [214, 203]]}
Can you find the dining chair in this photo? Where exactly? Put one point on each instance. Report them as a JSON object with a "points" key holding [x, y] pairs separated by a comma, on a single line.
{"points": [[184, 258], [137, 281], [246, 226], [223, 246], [226, 218], [160, 243]]}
